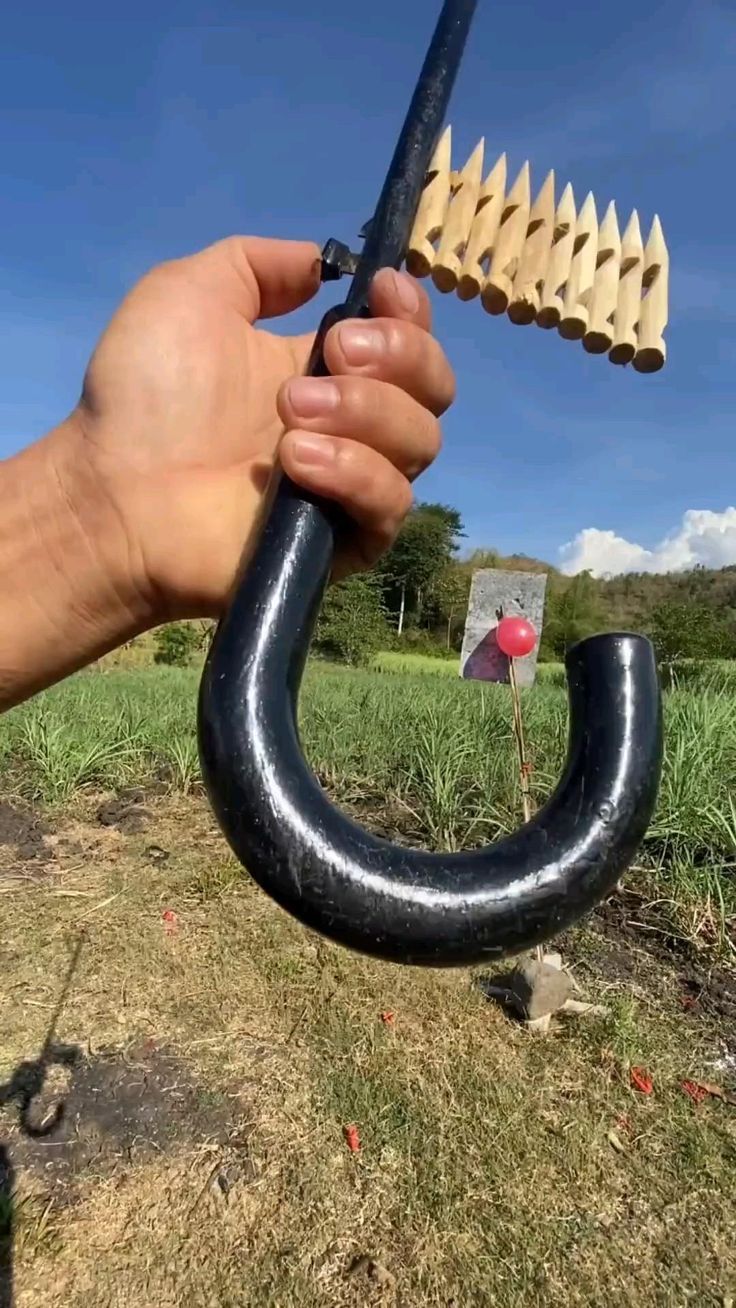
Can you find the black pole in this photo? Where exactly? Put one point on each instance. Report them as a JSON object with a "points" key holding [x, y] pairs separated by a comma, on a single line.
{"points": [[389, 231]]}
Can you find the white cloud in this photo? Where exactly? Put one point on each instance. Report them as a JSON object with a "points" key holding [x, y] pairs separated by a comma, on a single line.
{"points": [[703, 537]]}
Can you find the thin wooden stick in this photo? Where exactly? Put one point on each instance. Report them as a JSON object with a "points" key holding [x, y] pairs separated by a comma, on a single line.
{"points": [[509, 245], [529, 279], [628, 304], [598, 338], [579, 287], [483, 232], [524, 766], [447, 264], [652, 351], [526, 794], [560, 259], [432, 210]]}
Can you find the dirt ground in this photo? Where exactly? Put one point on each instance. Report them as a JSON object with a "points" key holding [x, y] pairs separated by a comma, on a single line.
{"points": [[202, 1103]]}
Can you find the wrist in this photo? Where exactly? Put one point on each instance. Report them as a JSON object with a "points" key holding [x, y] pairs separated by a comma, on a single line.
{"points": [[68, 580]]}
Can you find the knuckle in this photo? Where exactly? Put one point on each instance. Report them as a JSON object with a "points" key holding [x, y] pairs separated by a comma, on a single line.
{"points": [[449, 388], [404, 500], [357, 400], [401, 340], [433, 442]]}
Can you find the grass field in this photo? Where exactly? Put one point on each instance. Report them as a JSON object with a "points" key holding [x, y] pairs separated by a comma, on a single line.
{"points": [[222, 1050]]}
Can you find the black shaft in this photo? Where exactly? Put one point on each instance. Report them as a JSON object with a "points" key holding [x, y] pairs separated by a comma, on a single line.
{"points": [[389, 233], [364, 892]]}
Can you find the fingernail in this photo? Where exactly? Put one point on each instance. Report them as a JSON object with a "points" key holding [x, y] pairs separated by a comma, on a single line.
{"points": [[360, 344], [313, 451], [311, 396], [406, 292]]}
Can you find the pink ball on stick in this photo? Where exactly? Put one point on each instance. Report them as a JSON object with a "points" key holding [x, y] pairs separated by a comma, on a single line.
{"points": [[516, 637]]}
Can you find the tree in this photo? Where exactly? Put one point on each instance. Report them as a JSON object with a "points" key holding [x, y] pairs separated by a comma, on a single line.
{"points": [[690, 631], [352, 621], [175, 644], [450, 591], [573, 612], [425, 546]]}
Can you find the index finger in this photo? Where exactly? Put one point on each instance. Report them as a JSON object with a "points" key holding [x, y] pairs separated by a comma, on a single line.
{"points": [[397, 295]]}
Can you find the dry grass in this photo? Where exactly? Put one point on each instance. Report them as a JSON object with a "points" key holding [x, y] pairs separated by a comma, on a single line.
{"points": [[486, 1175]]}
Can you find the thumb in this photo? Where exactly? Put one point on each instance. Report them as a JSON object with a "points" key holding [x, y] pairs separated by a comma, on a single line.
{"points": [[261, 278]]}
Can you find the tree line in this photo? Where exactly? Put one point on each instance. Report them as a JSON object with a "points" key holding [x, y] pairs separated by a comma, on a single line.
{"points": [[416, 598]]}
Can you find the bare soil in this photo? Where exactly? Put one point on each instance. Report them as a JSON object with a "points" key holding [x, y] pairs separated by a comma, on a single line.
{"points": [[211, 1055]]}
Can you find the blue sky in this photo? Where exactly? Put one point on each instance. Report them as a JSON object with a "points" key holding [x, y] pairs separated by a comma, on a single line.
{"points": [[135, 139]]}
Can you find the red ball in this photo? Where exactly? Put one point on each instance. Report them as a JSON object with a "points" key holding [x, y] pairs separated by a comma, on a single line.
{"points": [[516, 637]]}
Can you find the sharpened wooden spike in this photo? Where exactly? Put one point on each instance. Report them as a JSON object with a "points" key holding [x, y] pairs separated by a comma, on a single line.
{"points": [[652, 350], [579, 288], [483, 232], [447, 264], [598, 339], [529, 279], [432, 209], [628, 303], [509, 245], [560, 258]]}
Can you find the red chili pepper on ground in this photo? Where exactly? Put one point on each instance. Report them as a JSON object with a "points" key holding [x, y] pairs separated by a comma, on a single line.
{"points": [[352, 1139], [641, 1080], [170, 921], [696, 1092]]}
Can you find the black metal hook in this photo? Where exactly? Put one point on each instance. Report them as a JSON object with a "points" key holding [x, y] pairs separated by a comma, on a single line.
{"points": [[403, 904], [364, 892]]}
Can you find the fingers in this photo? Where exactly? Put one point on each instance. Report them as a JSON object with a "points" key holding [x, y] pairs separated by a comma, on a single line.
{"points": [[396, 351], [371, 412], [397, 295], [261, 278], [361, 435], [374, 494]]}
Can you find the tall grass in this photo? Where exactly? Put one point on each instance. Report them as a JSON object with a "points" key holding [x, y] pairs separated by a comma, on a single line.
{"points": [[433, 755]]}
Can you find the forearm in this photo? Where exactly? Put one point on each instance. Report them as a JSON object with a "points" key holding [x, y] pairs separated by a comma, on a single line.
{"points": [[66, 596]]}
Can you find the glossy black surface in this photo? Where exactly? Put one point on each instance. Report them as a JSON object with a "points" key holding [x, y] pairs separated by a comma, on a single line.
{"points": [[383, 899], [407, 905]]}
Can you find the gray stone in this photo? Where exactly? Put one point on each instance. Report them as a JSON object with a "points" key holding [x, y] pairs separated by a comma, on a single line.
{"points": [[516, 594]]}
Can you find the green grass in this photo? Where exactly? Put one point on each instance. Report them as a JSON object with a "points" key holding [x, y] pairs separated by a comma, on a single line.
{"points": [[549, 674], [395, 661], [429, 754], [496, 1167]]}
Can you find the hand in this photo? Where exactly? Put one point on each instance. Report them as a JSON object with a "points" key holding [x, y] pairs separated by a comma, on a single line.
{"points": [[142, 505], [187, 404]]}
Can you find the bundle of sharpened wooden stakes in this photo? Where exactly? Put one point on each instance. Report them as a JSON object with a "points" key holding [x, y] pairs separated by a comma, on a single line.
{"points": [[543, 262]]}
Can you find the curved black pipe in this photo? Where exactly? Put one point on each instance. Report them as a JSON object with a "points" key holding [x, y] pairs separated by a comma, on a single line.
{"points": [[382, 899], [364, 892]]}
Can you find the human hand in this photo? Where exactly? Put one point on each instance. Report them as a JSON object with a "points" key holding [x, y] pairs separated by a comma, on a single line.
{"points": [[142, 506], [188, 402]]}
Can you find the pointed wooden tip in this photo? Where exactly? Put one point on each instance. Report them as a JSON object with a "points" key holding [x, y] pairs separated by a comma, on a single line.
{"points": [[631, 240], [610, 221], [520, 192], [474, 163], [442, 157], [565, 213], [588, 214], [609, 237], [656, 248], [544, 205], [497, 176]]}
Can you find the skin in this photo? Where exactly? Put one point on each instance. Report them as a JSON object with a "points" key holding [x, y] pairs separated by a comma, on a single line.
{"points": [[144, 504]]}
